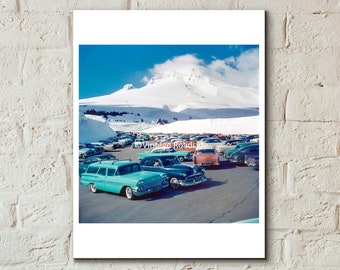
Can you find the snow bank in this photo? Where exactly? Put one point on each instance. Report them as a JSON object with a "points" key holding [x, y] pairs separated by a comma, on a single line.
{"points": [[241, 125], [91, 130]]}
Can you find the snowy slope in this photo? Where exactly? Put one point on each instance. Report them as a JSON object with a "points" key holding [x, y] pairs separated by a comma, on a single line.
{"points": [[243, 125], [95, 129], [191, 96], [180, 87]]}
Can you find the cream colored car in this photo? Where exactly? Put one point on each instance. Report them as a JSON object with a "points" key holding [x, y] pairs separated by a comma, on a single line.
{"points": [[227, 145]]}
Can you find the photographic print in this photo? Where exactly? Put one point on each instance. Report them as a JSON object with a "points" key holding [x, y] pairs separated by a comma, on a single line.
{"points": [[169, 134]]}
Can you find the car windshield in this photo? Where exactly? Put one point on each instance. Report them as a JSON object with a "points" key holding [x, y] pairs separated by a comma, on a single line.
{"points": [[128, 169], [171, 161]]}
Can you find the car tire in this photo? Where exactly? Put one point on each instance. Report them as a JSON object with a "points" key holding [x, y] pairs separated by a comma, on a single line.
{"points": [[129, 194], [93, 188], [174, 183]]}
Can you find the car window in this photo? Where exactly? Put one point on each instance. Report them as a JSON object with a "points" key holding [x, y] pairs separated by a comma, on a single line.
{"points": [[156, 163], [92, 169], [135, 168], [102, 171], [171, 161], [147, 162], [111, 172], [128, 169]]}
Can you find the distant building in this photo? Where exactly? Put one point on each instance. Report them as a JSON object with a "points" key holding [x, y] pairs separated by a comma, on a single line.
{"points": [[160, 122]]}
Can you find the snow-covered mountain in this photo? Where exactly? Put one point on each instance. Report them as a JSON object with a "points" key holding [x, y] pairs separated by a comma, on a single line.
{"points": [[190, 86], [183, 89]]}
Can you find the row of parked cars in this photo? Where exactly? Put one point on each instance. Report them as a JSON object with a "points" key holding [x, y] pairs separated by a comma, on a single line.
{"points": [[132, 179], [95, 148], [157, 169]]}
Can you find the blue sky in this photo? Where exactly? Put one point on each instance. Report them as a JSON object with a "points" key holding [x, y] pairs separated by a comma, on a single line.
{"points": [[104, 69]]}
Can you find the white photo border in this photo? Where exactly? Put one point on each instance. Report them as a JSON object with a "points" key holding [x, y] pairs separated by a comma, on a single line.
{"points": [[214, 241]]}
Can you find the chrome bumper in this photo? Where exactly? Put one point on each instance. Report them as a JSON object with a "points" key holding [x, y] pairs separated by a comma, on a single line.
{"points": [[193, 180]]}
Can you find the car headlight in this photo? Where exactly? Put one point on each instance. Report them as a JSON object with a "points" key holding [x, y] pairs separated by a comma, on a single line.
{"points": [[140, 182]]}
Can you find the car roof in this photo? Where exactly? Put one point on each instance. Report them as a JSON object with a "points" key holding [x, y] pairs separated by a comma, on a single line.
{"points": [[248, 147], [160, 156], [247, 143], [205, 148], [102, 155], [113, 163]]}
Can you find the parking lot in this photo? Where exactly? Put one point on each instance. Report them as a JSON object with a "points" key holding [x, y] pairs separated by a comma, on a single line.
{"points": [[231, 194]]}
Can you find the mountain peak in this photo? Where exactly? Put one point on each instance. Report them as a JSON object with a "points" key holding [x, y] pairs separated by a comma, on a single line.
{"points": [[128, 86]]}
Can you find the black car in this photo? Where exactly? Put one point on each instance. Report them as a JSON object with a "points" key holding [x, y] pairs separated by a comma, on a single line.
{"points": [[180, 175], [83, 165], [238, 156]]}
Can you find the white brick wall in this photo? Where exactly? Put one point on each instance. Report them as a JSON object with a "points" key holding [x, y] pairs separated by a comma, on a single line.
{"points": [[303, 143]]}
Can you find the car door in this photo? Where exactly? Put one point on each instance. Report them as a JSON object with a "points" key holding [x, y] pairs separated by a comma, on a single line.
{"points": [[254, 150], [101, 179], [152, 164], [112, 183], [249, 151]]}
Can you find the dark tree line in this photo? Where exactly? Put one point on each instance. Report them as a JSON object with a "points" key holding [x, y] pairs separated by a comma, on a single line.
{"points": [[104, 113]]}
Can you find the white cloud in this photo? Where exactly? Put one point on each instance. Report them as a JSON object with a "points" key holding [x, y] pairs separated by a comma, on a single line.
{"points": [[239, 71], [183, 64]]}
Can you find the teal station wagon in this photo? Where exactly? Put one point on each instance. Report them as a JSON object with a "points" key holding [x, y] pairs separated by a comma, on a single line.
{"points": [[181, 155], [123, 177]]}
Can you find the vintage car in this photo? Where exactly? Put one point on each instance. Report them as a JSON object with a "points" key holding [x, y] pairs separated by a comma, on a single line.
{"points": [[206, 157], [86, 152], [180, 145], [84, 164], [139, 143], [209, 143], [238, 157], [253, 138], [124, 178], [237, 147], [180, 175], [227, 145], [252, 161], [98, 148], [181, 155]]}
